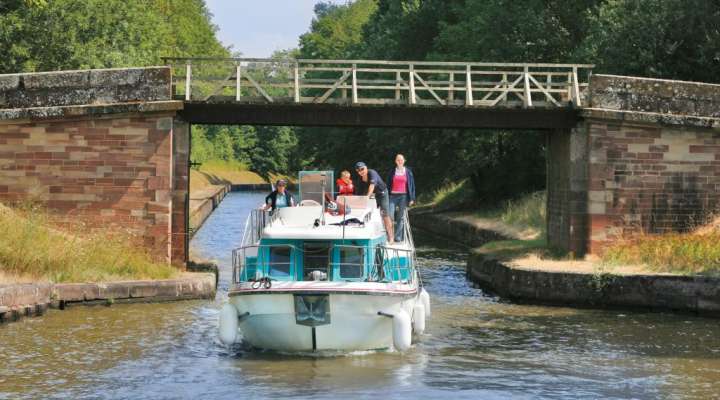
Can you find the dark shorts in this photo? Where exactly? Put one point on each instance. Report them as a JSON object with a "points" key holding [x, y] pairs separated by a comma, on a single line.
{"points": [[383, 203]]}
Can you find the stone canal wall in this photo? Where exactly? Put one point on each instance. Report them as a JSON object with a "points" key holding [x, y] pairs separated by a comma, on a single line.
{"points": [[35, 298], [203, 203], [696, 294]]}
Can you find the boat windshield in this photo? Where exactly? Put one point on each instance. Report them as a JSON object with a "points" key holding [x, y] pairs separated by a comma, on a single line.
{"points": [[311, 185]]}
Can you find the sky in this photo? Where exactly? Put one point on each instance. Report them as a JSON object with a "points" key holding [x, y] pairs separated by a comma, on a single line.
{"points": [[257, 28]]}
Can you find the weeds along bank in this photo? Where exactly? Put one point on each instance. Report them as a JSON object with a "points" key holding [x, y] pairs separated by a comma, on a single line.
{"points": [[34, 248]]}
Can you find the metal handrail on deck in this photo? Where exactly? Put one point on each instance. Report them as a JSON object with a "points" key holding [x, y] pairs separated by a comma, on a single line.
{"points": [[390, 261], [356, 82]]}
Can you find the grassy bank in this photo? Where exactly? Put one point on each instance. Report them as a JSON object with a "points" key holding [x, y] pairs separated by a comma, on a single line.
{"points": [[689, 253], [33, 248], [222, 173]]}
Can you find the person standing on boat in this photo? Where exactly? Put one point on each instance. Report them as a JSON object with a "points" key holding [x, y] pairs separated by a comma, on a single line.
{"points": [[370, 183], [279, 197], [345, 184], [402, 195]]}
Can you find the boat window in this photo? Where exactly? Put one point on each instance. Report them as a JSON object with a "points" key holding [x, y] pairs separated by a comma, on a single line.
{"points": [[279, 265], [316, 257], [352, 262]]}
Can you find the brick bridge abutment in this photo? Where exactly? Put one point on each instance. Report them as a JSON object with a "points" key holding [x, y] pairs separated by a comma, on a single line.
{"points": [[110, 148], [643, 159]]}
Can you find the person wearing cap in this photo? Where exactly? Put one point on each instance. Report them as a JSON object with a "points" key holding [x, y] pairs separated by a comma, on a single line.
{"points": [[369, 184], [402, 194], [279, 197]]}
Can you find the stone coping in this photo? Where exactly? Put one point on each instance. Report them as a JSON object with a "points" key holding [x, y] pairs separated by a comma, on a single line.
{"points": [[651, 118], [685, 293], [95, 86], [637, 94], [15, 115], [29, 299]]}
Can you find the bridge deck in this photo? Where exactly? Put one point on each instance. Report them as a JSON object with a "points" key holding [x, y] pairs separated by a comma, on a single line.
{"points": [[367, 82]]}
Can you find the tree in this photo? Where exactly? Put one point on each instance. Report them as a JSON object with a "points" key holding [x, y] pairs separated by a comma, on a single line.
{"points": [[674, 39]]}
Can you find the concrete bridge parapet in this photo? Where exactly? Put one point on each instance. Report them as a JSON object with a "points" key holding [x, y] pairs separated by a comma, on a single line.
{"points": [[644, 159]]}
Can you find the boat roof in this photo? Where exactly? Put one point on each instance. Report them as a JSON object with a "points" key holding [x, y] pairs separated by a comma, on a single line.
{"points": [[364, 221]]}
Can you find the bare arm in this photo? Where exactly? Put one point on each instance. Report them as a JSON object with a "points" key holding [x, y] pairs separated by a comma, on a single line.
{"points": [[371, 188]]}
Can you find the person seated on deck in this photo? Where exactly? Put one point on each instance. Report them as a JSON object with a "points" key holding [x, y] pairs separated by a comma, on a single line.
{"points": [[369, 184], [279, 197], [345, 184]]}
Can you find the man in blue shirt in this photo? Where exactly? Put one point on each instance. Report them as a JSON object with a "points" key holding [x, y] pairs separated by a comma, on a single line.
{"points": [[369, 184]]}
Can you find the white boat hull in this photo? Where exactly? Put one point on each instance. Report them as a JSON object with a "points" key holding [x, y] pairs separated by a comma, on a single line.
{"points": [[270, 322]]}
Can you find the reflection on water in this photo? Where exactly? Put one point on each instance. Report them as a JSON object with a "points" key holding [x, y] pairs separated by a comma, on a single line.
{"points": [[476, 347]]}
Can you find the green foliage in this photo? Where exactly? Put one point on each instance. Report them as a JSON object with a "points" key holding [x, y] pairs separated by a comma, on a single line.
{"points": [[451, 196], [38, 35], [674, 39], [337, 31], [526, 211]]}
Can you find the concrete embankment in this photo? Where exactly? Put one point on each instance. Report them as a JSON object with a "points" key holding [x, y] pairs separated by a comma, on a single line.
{"points": [[32, 299], [697, 294], [569, 283], [203, 202]]}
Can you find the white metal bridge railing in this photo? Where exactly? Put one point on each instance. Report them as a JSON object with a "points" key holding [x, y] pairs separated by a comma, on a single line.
{"points": [[352, 82]]}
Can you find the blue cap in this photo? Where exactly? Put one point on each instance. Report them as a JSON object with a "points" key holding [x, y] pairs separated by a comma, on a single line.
{"points": [[359, 165]]}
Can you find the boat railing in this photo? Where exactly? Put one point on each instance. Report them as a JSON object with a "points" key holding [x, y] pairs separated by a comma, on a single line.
{"points": [[407, 230], [393, 264], [256, 221], [390, 264], [252, 256]]}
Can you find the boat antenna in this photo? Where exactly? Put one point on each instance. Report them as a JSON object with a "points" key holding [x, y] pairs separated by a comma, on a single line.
{"points": [[322, 210]]}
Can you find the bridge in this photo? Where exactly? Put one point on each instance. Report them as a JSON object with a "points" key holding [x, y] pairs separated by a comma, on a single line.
{"points": [[626, 155], [377, 93]]}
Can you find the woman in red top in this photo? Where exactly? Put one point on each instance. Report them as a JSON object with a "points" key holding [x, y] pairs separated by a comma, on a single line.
{"points": [[344, 184]]}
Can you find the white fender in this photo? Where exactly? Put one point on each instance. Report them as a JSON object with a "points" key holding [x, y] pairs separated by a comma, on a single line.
{"points": [[402, 331], [418, 323], [228, 324], [425, 298]]}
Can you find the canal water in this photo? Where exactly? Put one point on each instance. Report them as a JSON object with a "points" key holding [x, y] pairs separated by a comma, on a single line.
{"points": [[476, 347]]}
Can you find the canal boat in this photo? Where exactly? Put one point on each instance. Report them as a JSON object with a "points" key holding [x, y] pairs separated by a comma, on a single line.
{"points": [[322, 276]]}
